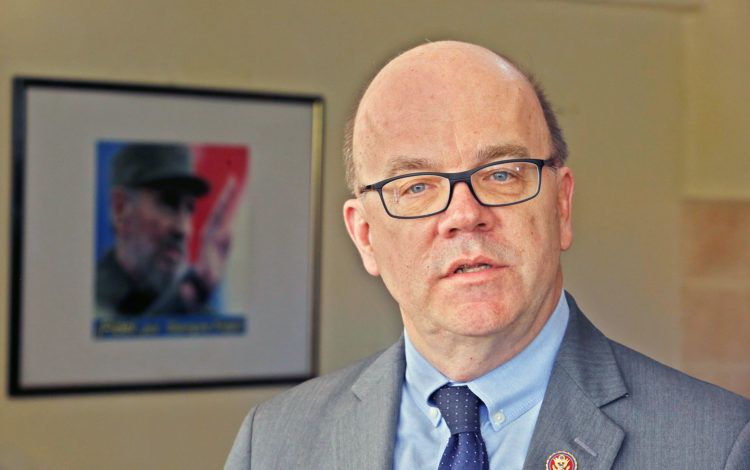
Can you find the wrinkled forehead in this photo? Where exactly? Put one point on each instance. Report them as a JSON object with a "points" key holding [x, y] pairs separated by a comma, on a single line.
{"points": [[445, 97]]}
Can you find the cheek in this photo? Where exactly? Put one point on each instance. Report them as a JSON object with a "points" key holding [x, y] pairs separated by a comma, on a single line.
{"points": [[155, 222], [542, 247], [392, 253], [147, 228], [132, 225], [400, 255], [536, 240], [542, 230]]}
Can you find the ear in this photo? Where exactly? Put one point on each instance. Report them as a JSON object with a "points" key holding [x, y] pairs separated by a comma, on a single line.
{"points": [[566, 184], [119, 204], [359, 231]]}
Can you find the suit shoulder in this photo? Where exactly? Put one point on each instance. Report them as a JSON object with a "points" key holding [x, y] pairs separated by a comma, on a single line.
{"points": [[655, 382], [314, 394]]}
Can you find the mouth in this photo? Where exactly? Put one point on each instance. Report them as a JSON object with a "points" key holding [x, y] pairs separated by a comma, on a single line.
{"points": [[172, 254], [470, 266]]}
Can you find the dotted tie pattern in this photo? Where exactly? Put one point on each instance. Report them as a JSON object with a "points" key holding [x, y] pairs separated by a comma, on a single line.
{"points": [[460, 409]]}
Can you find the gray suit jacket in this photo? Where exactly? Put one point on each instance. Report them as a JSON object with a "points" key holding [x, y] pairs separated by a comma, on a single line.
{"points": [[609, 406]]}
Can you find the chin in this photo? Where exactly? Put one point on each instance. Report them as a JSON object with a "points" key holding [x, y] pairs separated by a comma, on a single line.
{"points": [[481, 319]]}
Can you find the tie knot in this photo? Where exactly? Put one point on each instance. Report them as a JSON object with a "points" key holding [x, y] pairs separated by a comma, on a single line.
{"points": [[459, 407]]}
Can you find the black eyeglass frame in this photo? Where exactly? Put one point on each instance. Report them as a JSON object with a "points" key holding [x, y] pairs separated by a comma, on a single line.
{"points": [[461, 177]]}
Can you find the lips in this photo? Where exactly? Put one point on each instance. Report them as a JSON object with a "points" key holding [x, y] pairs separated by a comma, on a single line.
{"points": [[470, 266]]}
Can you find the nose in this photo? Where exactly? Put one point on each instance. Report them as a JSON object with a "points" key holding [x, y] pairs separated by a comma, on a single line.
{"points": [[464, 213], [182, 221]]}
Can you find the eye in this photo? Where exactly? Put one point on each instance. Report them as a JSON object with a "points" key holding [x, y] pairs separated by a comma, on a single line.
{"points": [[500, 176], [416, 188]]}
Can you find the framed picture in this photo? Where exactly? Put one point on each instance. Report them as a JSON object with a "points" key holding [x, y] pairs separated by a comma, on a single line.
{"points": [[162, 237]]}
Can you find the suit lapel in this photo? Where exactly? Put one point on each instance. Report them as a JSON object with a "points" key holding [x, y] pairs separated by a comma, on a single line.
{"points": [[365, 428], [584, 379], [570, 422]]}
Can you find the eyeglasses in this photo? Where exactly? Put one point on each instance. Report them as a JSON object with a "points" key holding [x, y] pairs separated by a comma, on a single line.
{"points": [[423, 194]]}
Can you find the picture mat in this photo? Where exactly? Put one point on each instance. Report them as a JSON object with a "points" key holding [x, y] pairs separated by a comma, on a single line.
{"points": [[63, 126]]}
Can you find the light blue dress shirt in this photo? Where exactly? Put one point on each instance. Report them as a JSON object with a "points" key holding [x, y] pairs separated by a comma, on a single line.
{"points": [[512, 395]]}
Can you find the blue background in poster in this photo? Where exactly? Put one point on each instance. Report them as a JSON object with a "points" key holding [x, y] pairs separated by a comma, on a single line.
{"points": [[105, 237]]}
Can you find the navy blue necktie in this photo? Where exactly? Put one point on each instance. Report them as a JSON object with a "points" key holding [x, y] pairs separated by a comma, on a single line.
{"points": [[460, 410]]}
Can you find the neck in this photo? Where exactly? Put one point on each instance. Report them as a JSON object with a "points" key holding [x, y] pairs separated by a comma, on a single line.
{"points": [[464, 358]]}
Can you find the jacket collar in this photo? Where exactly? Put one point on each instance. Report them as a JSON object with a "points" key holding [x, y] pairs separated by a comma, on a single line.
{"points": [[585, 378], [365, 430], [586, 355]]}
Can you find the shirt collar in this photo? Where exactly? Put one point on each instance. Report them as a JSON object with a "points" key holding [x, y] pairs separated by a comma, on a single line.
{"points": [[509, 390]]}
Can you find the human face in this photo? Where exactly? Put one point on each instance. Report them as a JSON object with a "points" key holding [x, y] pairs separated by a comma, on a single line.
{"points": [[153, 227], [471, 271]]}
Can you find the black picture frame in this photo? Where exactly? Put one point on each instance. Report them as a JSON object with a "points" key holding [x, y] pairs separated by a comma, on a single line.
{"points": [[58, 127]]}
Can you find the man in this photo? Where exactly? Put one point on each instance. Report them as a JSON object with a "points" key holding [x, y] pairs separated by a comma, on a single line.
{"points": [[463, 205], [153, 194]]}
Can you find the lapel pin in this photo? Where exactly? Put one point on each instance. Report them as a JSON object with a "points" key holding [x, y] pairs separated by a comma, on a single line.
{"points": [[561, 461]]}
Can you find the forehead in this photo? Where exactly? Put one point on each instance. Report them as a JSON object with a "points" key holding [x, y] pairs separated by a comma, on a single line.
{"points": [[443, 107]]}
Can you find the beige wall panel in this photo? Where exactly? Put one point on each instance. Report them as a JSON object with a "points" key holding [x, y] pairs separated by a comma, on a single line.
{"points": [[718, 132], [715, 292]]}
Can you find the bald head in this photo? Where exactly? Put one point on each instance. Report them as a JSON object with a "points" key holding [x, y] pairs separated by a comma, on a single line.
{"points": [[444, 81]]}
